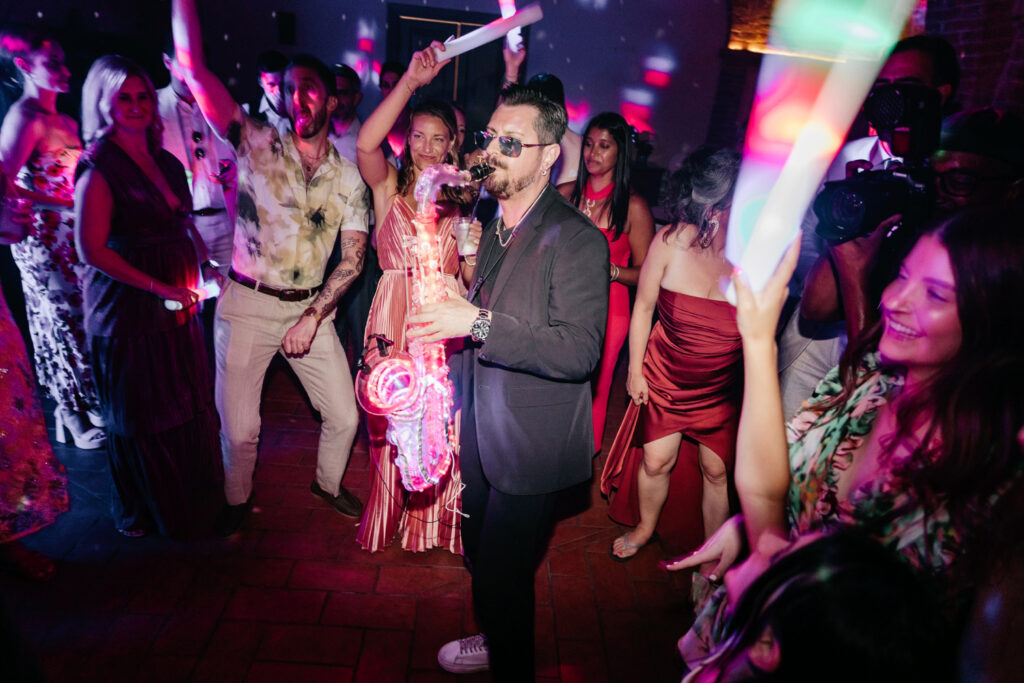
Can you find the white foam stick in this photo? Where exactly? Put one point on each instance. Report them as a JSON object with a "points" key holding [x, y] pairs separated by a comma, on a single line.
{"points": [[514, 39], [492, 31], [209, 290]]}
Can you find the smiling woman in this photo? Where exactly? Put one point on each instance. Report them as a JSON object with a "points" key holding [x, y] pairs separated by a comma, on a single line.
{"points": [[424, 519], [134, 231], [913, 438]]}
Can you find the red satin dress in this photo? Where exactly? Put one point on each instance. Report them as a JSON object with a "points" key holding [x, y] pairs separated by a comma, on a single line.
{"points": [[616, 330], [694, 370]]}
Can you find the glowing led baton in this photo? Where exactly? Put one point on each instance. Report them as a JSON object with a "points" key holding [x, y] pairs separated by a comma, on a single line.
{"points": [[209, 290], [492, 31], [827, 55]]}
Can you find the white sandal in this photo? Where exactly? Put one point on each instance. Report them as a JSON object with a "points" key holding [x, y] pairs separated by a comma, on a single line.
{"points": [[88, 440]]}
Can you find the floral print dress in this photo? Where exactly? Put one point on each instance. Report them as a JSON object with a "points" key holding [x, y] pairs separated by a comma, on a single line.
{"points": [[51, 277], [822, 443], [33, 485]]}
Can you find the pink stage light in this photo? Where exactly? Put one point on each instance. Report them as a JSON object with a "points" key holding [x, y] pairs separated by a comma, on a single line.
{"points": [[579, 112], [365, 44], [637, 115], [659, 79]]}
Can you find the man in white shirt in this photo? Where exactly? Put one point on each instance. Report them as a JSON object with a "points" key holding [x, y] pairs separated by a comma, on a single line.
{"points": [[209, 163], [270, 107]]}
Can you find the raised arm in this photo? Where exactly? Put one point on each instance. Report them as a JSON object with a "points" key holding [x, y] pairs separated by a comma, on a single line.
{"points": [[372, 165], [651, 273], [762, 453], [94, 206], [214, 100], [513, 62]]}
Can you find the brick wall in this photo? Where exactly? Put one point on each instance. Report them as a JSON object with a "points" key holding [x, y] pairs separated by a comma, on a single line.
{"points": [[989, 38]]}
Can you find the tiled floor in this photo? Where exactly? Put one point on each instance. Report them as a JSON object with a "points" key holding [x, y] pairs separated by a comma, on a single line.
{"points": [[293, 598]]}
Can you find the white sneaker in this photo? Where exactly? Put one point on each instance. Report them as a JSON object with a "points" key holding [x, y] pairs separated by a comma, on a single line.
{"points": [[465, 655]]}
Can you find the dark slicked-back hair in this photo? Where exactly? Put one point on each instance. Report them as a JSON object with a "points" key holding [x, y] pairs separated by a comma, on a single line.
{"points": [[945, 65], [347, 72], [323, 72], [550, 86], [271, 62], [551, 119], [392, 67]]}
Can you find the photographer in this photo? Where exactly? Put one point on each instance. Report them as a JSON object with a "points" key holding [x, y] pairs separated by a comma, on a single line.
{"points": [[922, 73], [979, 161]]}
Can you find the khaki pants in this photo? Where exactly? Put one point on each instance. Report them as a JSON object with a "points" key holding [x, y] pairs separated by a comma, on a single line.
{"points": [[248, 330]]}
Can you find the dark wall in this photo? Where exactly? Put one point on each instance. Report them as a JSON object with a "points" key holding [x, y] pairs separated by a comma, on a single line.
{"points": [[599, 48]]}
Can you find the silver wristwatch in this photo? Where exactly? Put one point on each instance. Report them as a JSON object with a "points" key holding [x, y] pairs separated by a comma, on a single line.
{"points": [[481, 327]]}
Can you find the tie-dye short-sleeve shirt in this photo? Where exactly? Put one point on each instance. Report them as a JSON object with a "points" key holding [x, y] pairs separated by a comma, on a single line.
{"points": [[286, 227]]}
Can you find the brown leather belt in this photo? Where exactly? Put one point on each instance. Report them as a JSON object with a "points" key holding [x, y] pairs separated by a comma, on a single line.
{"points": [[282, 294]]}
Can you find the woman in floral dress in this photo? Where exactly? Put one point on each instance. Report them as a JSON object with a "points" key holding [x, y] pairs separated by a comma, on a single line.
{"points": [[913, 438], [40, 147], [33, 486]]}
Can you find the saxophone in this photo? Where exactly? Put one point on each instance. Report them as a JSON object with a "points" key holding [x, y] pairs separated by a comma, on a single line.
{"points": [[412, 388]]}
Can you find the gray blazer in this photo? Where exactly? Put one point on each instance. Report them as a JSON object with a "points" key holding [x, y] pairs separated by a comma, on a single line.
{"points": [[531, 385]]}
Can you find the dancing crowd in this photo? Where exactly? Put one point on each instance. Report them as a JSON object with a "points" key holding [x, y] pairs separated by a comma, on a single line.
{"points": [[890, 499]]}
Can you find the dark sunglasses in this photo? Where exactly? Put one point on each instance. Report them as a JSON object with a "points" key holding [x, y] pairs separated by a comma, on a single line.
{"points": [[509, 146]]}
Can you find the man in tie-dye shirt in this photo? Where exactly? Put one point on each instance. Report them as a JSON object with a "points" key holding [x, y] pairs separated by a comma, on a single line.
{"points": [[295, 193]]}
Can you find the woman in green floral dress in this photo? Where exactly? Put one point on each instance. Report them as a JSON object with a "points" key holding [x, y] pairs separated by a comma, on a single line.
{"points": [[912, 438]]}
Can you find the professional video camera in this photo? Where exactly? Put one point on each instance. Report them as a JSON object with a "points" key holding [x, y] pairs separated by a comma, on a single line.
{"points": [[907, 117]]}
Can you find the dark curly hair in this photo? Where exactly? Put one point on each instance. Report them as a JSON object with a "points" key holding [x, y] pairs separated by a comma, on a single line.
{"points": [[703, 184]]}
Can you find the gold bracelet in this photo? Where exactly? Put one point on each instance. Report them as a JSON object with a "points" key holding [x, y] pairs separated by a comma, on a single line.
{"points": [[615, 272], [468, 261]]}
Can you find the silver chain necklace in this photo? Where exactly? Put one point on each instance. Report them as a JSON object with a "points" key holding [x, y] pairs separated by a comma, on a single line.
{"points": [[515, 228]]}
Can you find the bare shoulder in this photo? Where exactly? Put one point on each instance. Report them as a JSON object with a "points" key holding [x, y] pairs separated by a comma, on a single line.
{"points": [[565, 189]]}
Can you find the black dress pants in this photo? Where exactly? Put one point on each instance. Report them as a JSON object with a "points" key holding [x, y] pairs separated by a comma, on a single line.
{"points": [[503, 538]]}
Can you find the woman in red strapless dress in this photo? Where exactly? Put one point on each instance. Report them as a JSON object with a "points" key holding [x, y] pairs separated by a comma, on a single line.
{"points": [[668, 466], [602, 191]]}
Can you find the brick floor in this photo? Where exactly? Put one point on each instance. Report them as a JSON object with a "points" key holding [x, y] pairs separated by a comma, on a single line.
{"points": [[293, 598]]}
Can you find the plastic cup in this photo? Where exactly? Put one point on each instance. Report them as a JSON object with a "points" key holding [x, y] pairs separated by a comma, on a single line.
{"points": [[466, 245]]}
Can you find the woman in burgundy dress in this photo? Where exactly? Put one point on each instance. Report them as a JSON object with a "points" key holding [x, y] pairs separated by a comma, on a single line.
{"points": [[156, 390], [676, 444], [603, 192]]}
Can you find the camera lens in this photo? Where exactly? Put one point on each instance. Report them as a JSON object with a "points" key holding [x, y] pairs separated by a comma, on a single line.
{"points": [[847, 209]]}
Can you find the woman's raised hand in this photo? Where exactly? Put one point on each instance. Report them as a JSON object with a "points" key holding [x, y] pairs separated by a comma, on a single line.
{"points": [[757, 313], [424, 65]]}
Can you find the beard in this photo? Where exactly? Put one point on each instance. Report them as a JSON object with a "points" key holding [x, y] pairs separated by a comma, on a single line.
{"points": [[505, 187], [314, 123]]}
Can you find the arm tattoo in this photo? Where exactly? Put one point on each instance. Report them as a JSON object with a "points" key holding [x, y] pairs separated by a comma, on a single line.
{"points": [[353, 254]]}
